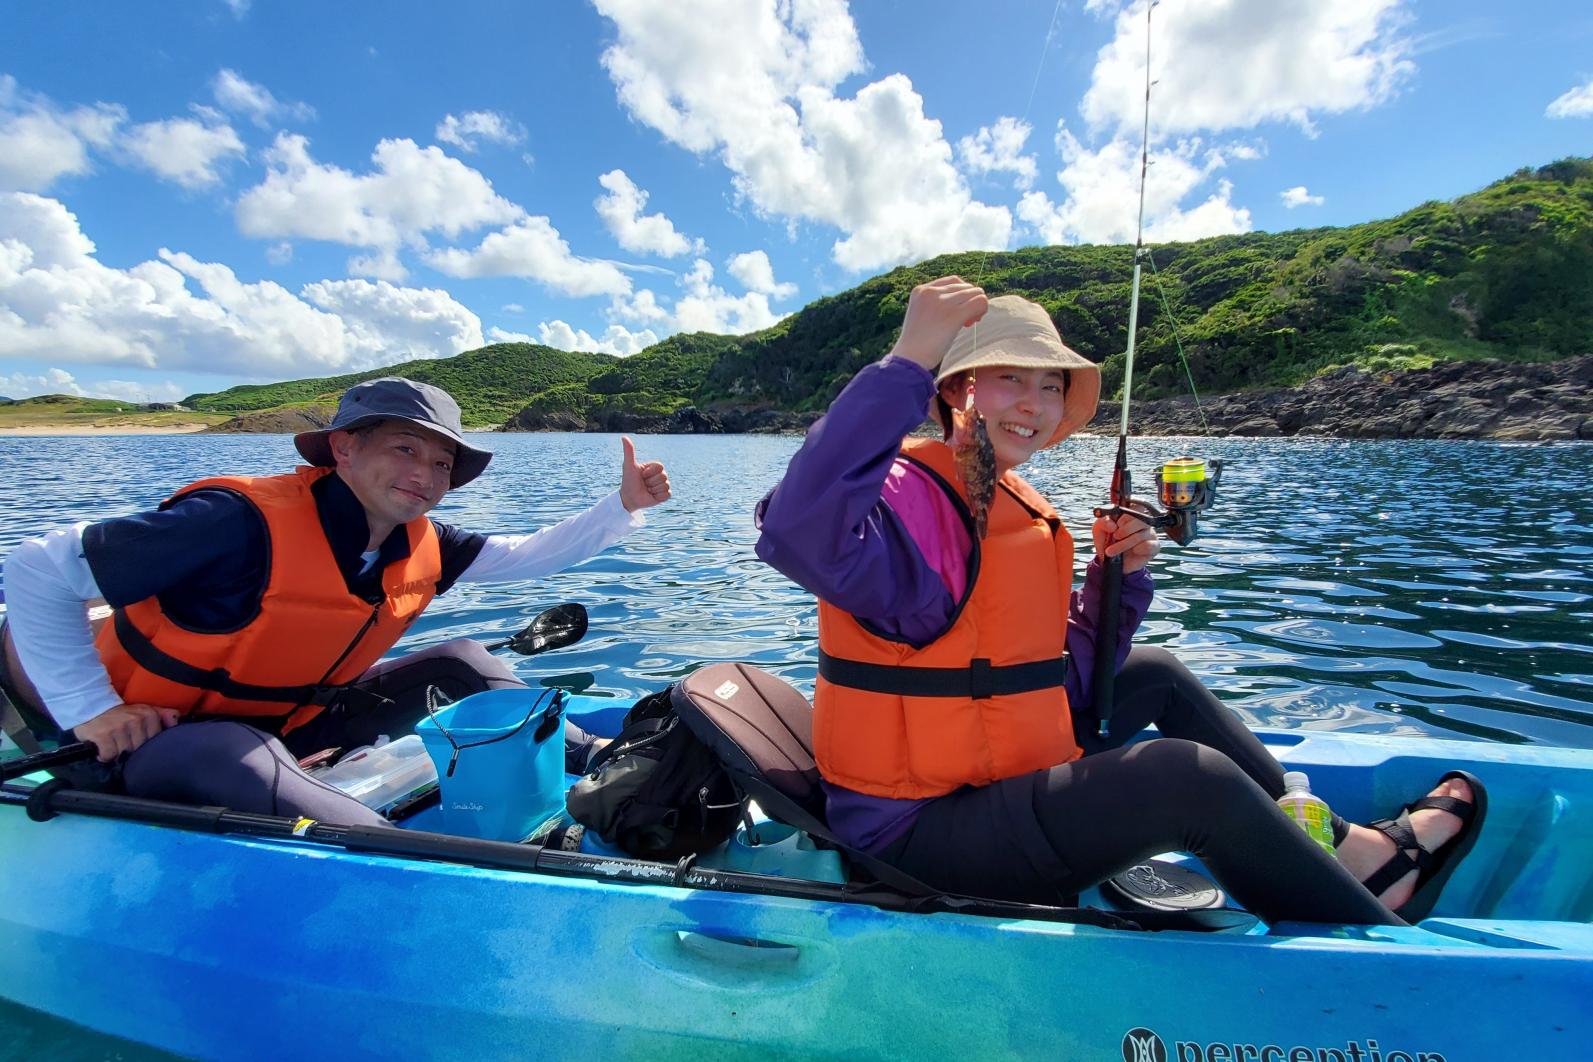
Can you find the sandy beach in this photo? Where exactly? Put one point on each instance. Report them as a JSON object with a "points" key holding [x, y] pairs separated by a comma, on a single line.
{"points": [[103, 429]]}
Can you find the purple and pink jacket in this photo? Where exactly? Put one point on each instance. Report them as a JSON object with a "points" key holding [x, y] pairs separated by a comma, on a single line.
{"points": [[855, 526]]}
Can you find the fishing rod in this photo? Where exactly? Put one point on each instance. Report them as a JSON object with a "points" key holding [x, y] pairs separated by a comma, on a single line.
{"points": [[1182, 484]]}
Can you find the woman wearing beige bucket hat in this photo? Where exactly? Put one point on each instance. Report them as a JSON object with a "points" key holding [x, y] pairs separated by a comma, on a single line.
{"points": [[951, 721]]}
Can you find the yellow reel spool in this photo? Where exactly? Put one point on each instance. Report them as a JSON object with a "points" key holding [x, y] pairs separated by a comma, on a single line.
{"points": [[1182, 480]]}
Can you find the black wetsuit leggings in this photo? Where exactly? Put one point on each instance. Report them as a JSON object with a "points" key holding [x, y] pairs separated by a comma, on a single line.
{"points": [[1207, 786], [234, 765]]}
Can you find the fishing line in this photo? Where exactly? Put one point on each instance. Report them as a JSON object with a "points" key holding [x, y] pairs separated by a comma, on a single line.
{"points": [[1178, 341], [1045, 49]]}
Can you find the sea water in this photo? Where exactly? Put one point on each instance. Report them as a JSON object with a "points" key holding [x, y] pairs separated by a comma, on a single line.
{"points": [[1438, 588]]}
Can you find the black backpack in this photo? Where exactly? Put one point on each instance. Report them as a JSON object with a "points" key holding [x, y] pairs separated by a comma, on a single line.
{"points": [[656, 791], [676, 779]]}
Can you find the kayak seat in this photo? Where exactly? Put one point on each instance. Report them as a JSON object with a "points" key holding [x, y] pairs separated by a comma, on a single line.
{"points": [[761, 728]]}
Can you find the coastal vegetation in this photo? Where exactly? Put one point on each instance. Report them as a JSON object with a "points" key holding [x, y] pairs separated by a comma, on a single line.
{"points": [[69, 412], [1501, 274]]}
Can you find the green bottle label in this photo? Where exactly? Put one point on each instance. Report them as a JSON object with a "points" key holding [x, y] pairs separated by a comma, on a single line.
{"points": [[1313, 817]]}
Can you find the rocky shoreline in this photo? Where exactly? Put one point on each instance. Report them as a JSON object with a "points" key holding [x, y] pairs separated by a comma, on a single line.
{"points": [[687, 421], [281, 422], [1455, 400]]}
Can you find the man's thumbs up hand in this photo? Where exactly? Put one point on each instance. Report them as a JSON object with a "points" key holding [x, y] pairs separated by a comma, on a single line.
{"points": [[641, 485]]}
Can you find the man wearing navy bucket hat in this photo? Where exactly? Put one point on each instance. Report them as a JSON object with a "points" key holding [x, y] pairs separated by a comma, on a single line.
{"points": [[254, 609]]}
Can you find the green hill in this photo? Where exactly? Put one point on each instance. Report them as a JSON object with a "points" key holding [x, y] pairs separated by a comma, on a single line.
{"points": [[1502, 273], [490, 384]]}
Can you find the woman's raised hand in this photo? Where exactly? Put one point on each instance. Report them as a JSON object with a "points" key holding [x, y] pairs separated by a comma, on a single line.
{"points": [[1129, 535], [936, 312]]}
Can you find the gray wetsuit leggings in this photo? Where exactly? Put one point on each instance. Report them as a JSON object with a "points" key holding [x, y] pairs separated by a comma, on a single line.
{"points": [[1206, 786]]}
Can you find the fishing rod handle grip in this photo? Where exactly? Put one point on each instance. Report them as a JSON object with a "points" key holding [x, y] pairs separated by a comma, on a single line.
{"points": [[1106, 641]]}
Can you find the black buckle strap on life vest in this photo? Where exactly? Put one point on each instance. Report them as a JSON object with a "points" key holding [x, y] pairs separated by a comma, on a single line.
{"points": [[217, 680], [978, 681]]}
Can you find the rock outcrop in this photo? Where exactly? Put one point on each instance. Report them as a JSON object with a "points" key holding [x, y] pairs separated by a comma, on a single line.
{"points": [[285, 421], [1455, 400], [687, 421]]}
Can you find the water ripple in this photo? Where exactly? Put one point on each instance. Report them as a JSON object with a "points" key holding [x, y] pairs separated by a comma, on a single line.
{"points": [[1429, 587]]}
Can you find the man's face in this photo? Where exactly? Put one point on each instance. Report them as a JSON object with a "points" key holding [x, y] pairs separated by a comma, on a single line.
{"points": [[397, 470]]}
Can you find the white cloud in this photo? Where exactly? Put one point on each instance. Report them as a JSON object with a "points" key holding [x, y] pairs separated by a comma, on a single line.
{"points": [[617, 339], [1102, 201], [239, 8], [379, 265], [500, 335], [701, 306], [533, 248], [1298, 196], [58, 302], [403, 322], [468, 130], [237, 94], [999, 149], [1235, 64], [756, 273], [279, 253], [513, 307], [411, 191], [642, 306], [1574, 103], [873, 166], [41, 143], [55, 381], [1221, 65], [621, 211], [706, 307], [182, 149]]}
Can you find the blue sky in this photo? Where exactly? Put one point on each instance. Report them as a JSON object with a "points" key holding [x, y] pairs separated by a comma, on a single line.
{"points": [[201, 194]]}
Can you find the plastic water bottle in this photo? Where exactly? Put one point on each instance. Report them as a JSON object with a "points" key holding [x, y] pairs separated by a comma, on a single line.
{"points": [[1311, 812]]}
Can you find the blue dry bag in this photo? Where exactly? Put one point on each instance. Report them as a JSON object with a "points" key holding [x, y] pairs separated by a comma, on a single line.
{"points": [[500, 761]]}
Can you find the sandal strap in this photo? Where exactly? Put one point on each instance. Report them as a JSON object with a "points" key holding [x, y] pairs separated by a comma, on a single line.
{"points": [[1401, 862], [1398, 830], [1461, 809]]}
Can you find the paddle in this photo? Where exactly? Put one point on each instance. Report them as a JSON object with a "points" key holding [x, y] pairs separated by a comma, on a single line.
{"points": [[52, 799], [43, 761], [552, 628]]}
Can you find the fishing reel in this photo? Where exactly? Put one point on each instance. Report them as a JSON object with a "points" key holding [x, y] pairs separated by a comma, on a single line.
{"points": [[1184, 489]]}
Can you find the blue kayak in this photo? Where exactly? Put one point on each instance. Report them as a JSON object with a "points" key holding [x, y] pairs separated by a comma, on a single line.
{"points": [[239, 944]]}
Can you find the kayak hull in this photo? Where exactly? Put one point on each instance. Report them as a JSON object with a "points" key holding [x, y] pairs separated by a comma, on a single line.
{"points": [[231, 947]]}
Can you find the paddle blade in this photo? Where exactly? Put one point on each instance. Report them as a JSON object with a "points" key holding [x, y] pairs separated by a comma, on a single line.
{"points": [[555, 628]]}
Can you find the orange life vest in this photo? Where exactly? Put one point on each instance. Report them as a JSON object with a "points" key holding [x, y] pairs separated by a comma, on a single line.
{"points": [[982, 702], [308, 638]]}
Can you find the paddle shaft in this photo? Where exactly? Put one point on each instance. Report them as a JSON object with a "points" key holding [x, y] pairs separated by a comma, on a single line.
{"points": [[47, 801], [76, 752]]}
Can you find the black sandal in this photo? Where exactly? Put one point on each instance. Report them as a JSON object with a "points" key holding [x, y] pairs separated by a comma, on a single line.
{"points": [[1432, 868]]}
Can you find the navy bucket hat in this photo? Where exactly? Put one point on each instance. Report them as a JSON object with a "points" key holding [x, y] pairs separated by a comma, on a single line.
{"points": [[395, 398]]}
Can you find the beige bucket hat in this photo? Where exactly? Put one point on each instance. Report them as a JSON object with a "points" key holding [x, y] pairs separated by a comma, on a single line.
{"points": [[1019, 333]]}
